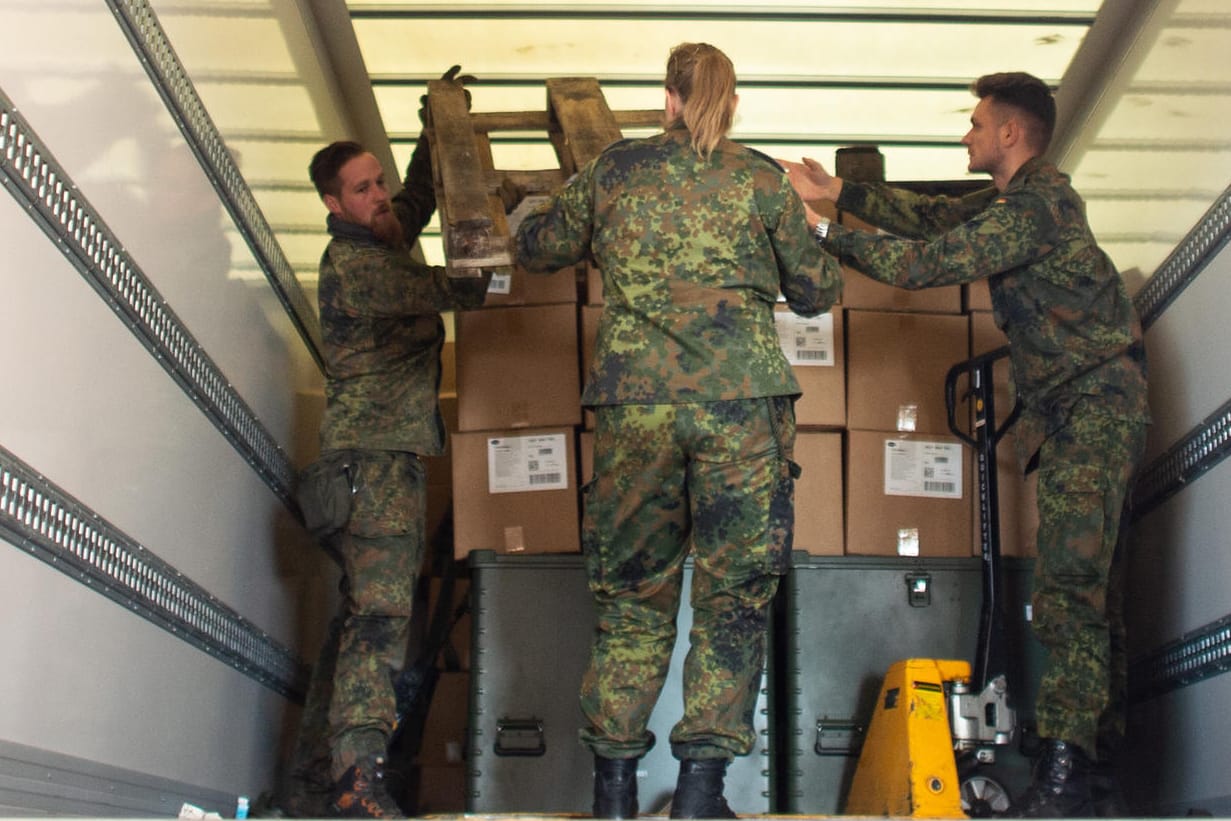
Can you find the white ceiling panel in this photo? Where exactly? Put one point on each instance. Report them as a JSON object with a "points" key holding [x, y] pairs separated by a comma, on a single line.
{"points": [[282, 77], [635, 48]]}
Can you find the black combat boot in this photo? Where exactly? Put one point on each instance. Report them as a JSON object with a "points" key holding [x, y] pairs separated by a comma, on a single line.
{"points": [[698, 792], [362, 793], [1061, 784], [615, 787]]}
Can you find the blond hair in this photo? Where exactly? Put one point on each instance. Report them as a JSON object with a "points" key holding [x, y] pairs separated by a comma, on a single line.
{"points": [[704, 79]]}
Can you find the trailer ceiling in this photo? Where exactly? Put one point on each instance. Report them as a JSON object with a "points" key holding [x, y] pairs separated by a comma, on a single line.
{"points": [[1144, 88]]}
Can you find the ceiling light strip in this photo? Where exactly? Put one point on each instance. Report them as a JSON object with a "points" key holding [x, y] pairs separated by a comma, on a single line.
{"points": [[34, 178], [49, 524], [751, 11], [1197, 656], [169, 77], [791, 83]]}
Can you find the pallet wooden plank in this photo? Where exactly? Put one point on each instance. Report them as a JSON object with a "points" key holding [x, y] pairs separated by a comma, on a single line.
{"points": [[586, 123], [472, 239], [489, 121]]}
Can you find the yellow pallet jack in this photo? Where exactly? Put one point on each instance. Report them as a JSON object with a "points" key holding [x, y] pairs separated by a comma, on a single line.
{"points": [[938, 722]]}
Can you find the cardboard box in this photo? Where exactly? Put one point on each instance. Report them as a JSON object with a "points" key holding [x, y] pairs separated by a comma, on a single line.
{"points": [[815, 347], [593, 285], [448, 368], [976, 296], [896, 369], [518, 368], [444, 728], [585, 454], [520, 287], [1018, 497], [515, 492], [441, 790], [864, 293], [818, 493], [907, 495]]}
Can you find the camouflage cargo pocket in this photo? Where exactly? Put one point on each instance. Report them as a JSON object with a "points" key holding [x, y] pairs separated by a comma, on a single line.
{"points": [[324, 493], [390, 494]]}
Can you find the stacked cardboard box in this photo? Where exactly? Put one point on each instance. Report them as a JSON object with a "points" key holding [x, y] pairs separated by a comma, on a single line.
{"points": [[514, 473], [908, 477], [815, 347], [882, 472], [1018, 508]]}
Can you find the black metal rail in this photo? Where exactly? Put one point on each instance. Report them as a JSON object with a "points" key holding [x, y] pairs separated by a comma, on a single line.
{"points": [[140, 25], [51, 525], [30, 172]]}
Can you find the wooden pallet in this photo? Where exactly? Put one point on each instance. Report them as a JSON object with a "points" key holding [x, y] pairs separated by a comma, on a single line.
{"points": [[577, 121]]}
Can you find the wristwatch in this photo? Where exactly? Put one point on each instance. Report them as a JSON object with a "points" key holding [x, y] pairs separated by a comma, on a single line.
{"points": [[822, 230]]}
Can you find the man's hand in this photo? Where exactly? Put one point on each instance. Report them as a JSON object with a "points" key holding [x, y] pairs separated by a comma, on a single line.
{"points": [[811, 181], [452, 76]]}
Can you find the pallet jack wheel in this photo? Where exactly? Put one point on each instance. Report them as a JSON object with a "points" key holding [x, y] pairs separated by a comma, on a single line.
{"points": [[983, 793]]}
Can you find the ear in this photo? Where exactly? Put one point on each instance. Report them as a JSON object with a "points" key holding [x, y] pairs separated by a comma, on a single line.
{"points": [[1011, 132], [673, 104], [333, 204]]}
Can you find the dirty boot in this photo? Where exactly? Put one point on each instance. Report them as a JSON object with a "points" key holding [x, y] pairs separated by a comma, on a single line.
{"points": [[362, 794], [615, 787], [698, 792], [1061, 784]]}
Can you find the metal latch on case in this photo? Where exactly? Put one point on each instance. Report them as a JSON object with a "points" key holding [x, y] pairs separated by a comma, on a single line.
{"points": [[838, 737], [919, 589], [520, 736]]}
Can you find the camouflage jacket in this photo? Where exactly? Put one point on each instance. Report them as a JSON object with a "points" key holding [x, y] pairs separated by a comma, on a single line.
{"points": [[1073, 331], [382, 334], [693, 255]]}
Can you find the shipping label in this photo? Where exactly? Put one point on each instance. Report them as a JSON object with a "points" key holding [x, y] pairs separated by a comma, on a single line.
{"points": [[516, 464], [917, 468], [806, 341]]}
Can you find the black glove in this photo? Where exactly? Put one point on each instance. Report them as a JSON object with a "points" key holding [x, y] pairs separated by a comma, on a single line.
{"points": [[451, 76]]}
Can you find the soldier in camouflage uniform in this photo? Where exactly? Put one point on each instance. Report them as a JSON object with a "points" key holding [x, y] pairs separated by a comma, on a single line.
{"points": [[1078, 362], [696, 236], [382, 333]]}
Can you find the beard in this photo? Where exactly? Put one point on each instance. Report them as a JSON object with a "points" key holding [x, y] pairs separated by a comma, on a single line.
{"points": [[386, 227]]}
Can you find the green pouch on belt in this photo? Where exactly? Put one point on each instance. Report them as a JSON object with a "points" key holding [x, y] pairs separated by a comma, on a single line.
{"points": [[324, 494]]}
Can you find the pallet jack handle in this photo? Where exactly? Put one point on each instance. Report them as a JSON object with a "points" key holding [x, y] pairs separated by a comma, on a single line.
{"points": [[992, 656]]}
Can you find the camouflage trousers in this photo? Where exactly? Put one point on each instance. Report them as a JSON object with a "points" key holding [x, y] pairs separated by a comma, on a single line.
{"points": [[715, 479], [1085, 473], [351, 706]]}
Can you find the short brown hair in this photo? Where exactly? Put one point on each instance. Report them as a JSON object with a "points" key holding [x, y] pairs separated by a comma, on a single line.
{"points": [[1026, 93], [327, 162]]}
